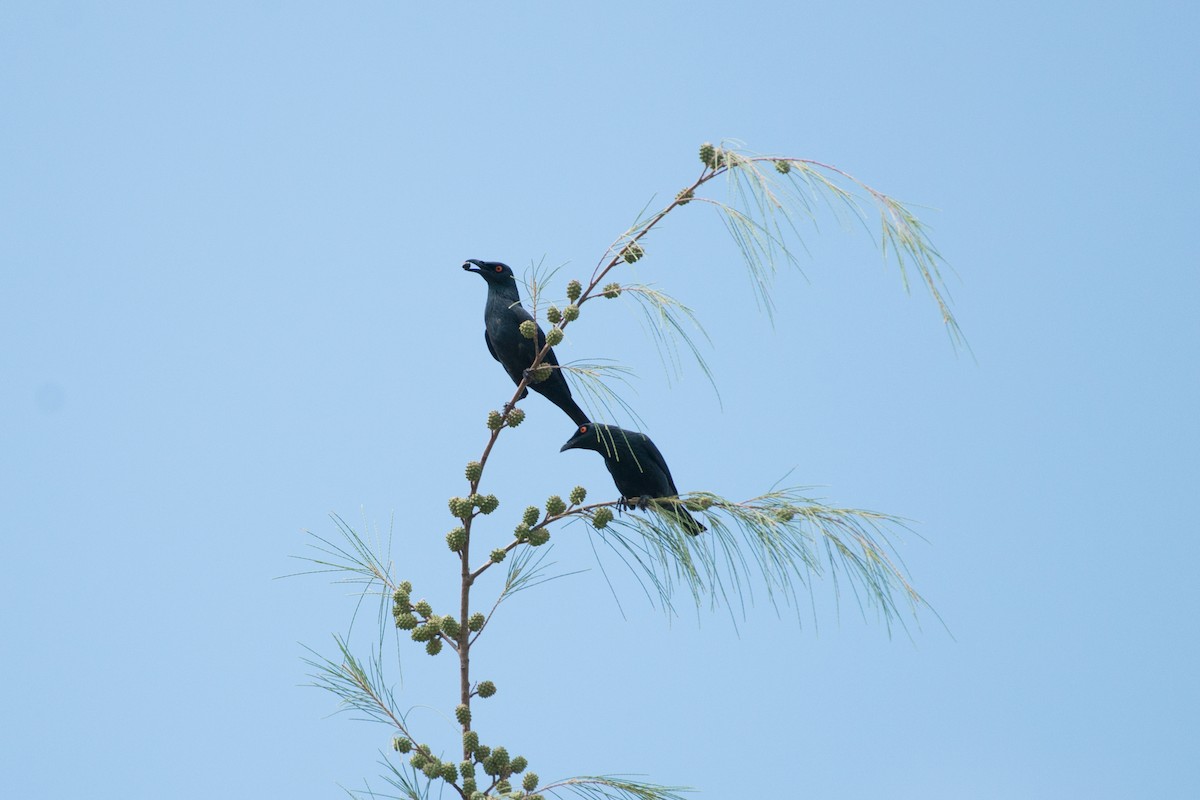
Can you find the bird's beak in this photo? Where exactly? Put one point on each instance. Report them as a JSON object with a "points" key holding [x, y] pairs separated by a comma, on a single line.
{"points": [[566, 447], [471, 265]]}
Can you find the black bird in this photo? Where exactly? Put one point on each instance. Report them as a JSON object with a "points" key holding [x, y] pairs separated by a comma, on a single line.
{"points": [[502, 318], [637, 467]]}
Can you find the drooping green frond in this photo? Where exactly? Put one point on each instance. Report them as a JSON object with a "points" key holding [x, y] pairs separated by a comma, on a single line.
{"points": [[360, 688], [670, 323], [356, 558], [411, 783], [596, 382], [614, 787], [779, 541]]}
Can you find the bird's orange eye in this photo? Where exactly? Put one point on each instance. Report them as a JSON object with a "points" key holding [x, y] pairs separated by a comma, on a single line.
{"points": [[499, 269], [583, 428]]}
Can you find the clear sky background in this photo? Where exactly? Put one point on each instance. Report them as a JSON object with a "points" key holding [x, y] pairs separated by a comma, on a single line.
{"points": [[231, 304]]}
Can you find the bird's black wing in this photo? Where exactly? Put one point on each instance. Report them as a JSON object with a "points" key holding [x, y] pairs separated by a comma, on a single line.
{"points": [[488, 340], [656, 459]]}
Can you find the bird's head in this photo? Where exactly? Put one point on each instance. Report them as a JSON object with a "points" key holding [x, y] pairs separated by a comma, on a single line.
{"points": [[586, 437], [492, 271]]}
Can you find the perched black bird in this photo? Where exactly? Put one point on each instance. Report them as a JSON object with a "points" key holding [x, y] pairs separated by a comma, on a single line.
{"points": [[637, 467], [502, 318]]}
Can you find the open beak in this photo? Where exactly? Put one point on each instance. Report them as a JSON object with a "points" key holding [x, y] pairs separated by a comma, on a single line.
{"points": [[471, 265]]}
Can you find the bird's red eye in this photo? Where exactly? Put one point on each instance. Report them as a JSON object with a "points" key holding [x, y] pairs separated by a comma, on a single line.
{"points": [[499, 269], [583, 428]]}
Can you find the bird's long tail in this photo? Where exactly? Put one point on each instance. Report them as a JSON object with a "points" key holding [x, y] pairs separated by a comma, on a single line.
{"points": [[571, 409]]}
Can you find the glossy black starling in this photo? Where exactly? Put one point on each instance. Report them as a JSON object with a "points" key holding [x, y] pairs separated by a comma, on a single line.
{"points": [[637, 467], [502, 318]]}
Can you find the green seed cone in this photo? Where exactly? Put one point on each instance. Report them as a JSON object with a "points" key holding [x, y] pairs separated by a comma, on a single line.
{"points": [[571, 313], [529, 329], [554, 337], [516, 416], [486, 689], [555, 505], [530, 781], [463, 714], [474, 471], [708, 154], [574, 290], [532, 514], [476, 622], [578, 495], [494, 421], [602, 517]]}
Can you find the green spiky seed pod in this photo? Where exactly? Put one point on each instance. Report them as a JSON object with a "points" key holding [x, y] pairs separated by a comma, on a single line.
{"points": [[418, 760], [539, 537], [531, 516], [571, 313], [518, 765], [684, 197], [503, 787], [406, 587], [612, 291], [401, 745], [406, 622], [400, 598], [494, 421], [462, 713], [433, 646], [469, 786], [529, 329], [456, 538], [423, 608], [516, 416], [708, 154], [632, 253], [489, 503], [449, 772], [555, 505], [450, 626], [422, 634], [467, 769], [483, 753], [478, 796], [783, 167], [432, 769], [498, 555], [474, 471], [476, 622], [574, 290], [530, 781], [486, 689], [521, 532], [554, 315], [578, 495], [602, 517], [540, 374], [460, 507], [470, 741], [554, 336], [501, 756]]}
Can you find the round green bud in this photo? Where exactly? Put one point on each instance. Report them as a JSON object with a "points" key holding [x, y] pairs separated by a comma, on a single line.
{"points": [[423, 608], [406, 587], [530, 781], [516, 416], [529, 329], [483, 753], [432, 769], [418, 760], [554, 315], [489, 503], [456, 538], [476, 622], [503, 787], [539, 537], [433, 646], [494, 421], [785, 514], [399, 597], [708, 154], [632, 253], [518, 765], [554, 336], [783, 167], [498, 555], [470, 741], [684, 197], [521, 532], [467, 769], [449, 772], [574, 290], [602, 517], [450, 626], [571, 313], [460, 507], [612, 291], [555, 505], [486, 689], [532, 514], [469, 786], [423, 633], [406, 622], [540, 374], [501, 755], [462, 713], [401, 745], [478, 796], [578, 495], [474, 471]]}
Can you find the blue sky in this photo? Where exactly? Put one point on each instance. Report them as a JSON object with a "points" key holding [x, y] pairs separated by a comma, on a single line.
{"points": [[231, 305]]}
